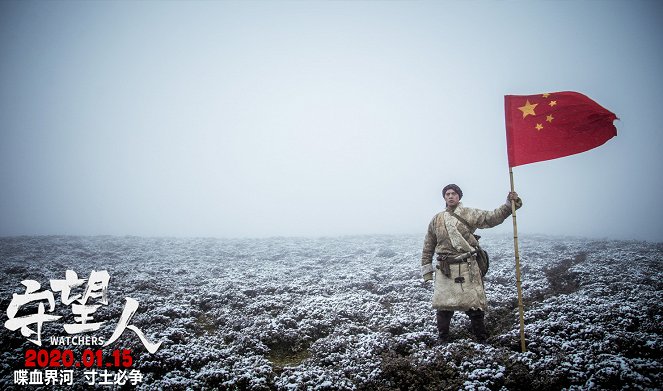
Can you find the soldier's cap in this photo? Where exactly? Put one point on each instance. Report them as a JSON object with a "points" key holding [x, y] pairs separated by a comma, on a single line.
{"points": [[455, 188]]}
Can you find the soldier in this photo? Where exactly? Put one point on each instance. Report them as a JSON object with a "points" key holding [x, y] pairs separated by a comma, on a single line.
{"points": [[458, 284]]}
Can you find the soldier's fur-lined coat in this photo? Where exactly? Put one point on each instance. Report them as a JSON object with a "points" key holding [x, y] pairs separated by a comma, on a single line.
{"points": [[447, 236]]}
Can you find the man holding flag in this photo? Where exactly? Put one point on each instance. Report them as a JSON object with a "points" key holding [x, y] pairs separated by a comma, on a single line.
{"points": [[538, 127], [458, 278]]}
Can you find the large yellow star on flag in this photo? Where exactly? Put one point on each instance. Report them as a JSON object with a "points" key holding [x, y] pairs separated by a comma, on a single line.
{"points": [[528, 109]]}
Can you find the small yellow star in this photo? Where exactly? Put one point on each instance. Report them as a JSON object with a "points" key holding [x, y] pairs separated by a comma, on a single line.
{"points": [[539, 126], [528, 109], [552, 103], [545, 95], [549, 118]]}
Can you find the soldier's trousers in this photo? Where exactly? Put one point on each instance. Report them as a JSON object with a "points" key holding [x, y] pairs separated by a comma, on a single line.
{"points": [[476, 320]]}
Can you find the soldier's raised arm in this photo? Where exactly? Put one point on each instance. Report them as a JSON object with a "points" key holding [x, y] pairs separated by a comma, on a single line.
{"points": [[488, 219]]}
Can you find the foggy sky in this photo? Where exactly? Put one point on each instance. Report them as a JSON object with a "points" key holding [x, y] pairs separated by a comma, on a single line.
{"points": [[269, 118]]}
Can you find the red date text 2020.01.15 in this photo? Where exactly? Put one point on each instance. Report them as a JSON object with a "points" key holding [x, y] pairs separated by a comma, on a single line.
{"points": [[66, 358]]}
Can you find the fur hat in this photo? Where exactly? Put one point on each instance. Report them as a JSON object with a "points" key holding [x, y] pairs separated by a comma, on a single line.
{"points": [[453, 187]]}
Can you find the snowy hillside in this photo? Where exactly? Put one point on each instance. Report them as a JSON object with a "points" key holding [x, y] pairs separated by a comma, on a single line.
{"points": [[354, 313]]}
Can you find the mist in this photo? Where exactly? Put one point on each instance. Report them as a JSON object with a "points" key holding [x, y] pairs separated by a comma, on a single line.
{"points": [[259, 119]]}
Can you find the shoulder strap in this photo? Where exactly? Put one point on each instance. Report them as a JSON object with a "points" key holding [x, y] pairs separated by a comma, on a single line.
{"points": [[462, 220]]}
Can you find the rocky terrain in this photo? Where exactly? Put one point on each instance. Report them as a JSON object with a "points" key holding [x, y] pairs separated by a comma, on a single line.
{"points": [[353, 313]]}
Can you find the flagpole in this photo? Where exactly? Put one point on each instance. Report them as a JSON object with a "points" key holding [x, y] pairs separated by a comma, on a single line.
{"points": [[523, 347]]}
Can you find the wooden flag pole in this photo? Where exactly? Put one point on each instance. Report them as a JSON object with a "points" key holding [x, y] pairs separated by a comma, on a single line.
{"points": [[523, 347]]}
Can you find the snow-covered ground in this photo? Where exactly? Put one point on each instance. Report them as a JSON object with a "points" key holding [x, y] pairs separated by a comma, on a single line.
{"points": [[354, 313]]}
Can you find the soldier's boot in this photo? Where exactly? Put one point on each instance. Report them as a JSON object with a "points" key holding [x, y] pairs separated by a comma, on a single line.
{"points": [[478, 325], [443, 323]]}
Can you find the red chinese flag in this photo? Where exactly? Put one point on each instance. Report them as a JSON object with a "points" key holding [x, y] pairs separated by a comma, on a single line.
{"points": [[549, 126]]}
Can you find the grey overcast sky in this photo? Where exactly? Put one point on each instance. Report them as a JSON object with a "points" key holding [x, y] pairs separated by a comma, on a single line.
{"points": [[306, 118]]}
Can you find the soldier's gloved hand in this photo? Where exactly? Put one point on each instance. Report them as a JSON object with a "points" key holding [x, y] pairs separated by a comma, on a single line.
{"points": [[514, 196], [428, 277]]}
